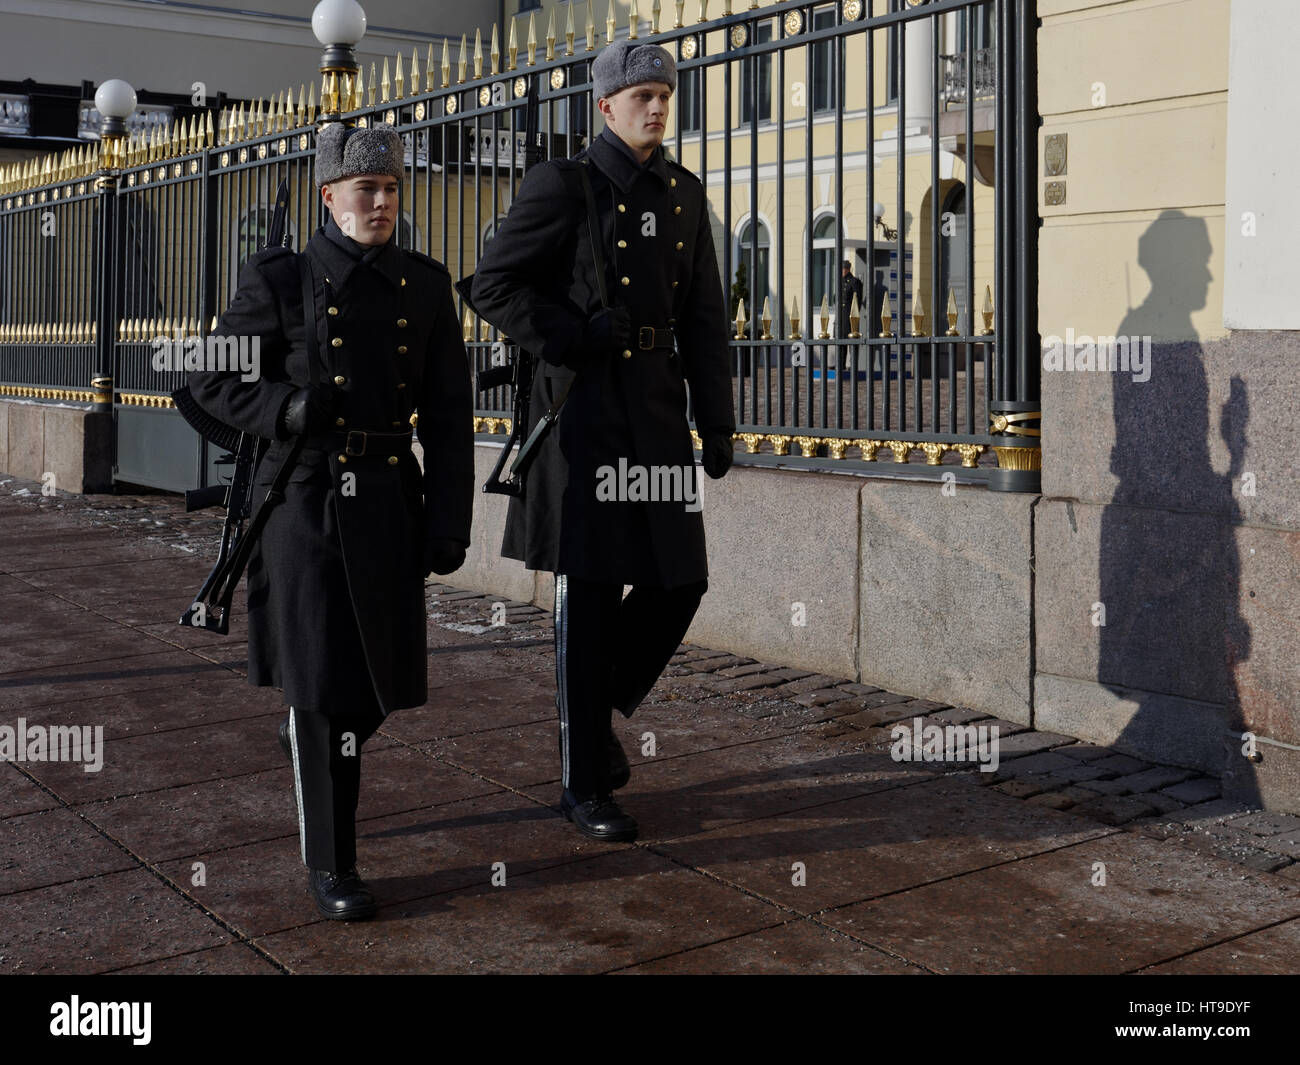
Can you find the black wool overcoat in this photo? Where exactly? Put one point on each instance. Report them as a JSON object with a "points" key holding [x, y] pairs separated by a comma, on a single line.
{"points": [[336, 610], [537, 283]]}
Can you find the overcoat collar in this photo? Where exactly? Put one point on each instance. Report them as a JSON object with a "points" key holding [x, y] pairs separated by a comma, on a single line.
{"points": [[338, 256], [615, 161]]}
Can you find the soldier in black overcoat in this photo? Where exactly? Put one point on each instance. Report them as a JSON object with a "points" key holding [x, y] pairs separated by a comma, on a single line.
{"points": [[614, 497], [336, 610]]}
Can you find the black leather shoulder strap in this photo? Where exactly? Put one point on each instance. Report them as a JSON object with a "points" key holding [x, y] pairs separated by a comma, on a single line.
{"points": [[593, 229], [309, 317]]}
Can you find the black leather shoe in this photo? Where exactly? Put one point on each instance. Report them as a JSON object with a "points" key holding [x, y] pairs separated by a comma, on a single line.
{"points": [[285, 744], [341, 896], [599, 817], [619, 770]]}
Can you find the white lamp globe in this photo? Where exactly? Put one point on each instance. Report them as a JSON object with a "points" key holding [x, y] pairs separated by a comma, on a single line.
{"points": [[879, 208], [338, 22], [115, 99]]}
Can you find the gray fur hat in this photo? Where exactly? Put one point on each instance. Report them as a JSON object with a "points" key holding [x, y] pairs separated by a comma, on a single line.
{"points": [[625, 63], [346, 151]]}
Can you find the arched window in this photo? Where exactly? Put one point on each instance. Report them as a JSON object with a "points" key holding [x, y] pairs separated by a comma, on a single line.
{"points": [[825, 277], [952, 258], [751, 275]]}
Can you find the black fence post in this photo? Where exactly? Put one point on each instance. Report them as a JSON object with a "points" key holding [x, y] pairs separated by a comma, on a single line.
{"points": [[1015, 414]]}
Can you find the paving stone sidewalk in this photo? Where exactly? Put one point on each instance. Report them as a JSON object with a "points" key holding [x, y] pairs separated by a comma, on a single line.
{"points": [[778, 832]]}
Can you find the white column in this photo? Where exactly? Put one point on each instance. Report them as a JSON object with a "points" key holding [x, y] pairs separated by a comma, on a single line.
{"points": [[919, 81]]}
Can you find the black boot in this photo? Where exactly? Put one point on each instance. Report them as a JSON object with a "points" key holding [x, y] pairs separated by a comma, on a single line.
{"points": [[341, 896], [599, 817]]}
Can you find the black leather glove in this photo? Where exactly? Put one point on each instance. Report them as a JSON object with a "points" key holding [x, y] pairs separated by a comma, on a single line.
{"points": [[308, 410], [717, 453], [443, 556], [608, 333]]}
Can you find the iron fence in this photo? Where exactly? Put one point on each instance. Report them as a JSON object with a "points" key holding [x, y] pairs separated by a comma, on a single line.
{"points": [[812, 125]]}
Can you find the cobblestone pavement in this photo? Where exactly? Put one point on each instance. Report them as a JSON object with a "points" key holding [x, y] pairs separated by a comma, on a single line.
{"points": [[747, 776]]}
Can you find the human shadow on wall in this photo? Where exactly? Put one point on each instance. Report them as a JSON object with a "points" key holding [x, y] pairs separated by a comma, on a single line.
{"points": [[1169, 568]]}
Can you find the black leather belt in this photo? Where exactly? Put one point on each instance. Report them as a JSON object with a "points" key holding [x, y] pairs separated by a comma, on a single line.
{"points": [[358, 442], [648, 338]]}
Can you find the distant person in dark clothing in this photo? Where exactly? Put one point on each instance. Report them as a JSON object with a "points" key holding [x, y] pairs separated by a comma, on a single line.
{"points": [[850, 286]]}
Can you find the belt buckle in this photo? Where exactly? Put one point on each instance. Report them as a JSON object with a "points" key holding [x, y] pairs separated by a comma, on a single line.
{"points": [[645, 338], [348, 443]]}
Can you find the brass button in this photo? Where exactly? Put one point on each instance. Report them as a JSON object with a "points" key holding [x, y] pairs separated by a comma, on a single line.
{"points": [[673, 182], [340, 380], [331, 311], [622, 244], [343, 458], [337, 342], [403, 282], [622, 207], [627, 281], [627, 354], [401, 385], [339, 422], [674, 284], [401, 323], [392, 459], [401, 349], [680, 245], [677, 210]]}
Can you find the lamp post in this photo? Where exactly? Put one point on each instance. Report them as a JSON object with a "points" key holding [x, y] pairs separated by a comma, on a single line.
{"points": [[115, 100], [338, 25]]}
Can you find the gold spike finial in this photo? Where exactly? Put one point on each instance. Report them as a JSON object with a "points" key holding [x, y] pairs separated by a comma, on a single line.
{"points": [[415, 74], [292, 120], [428, 68], [399, 79], [633, 21], [385, 84], [462, 60], [370, 98], [952, 314], [495, 51], [467, 328], [611, 26], [886, 317], [740, 319], [532, 38], [825, 316], [767, 318], [478, 53], [918, 316], [311, 103], [855, 318], [704, 11], [208, 132], [794, 319], [512, 45], [987, 312], [446, 63], [590, 28], [550, 36], [568, 28], [655, 12]]}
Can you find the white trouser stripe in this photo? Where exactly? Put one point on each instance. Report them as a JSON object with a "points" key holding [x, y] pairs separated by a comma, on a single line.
{"points": [[562, 670], [297, 782]]}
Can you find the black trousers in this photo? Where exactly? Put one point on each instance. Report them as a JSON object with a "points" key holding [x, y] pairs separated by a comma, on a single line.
{"points": [[609, 652], [327, 783]]}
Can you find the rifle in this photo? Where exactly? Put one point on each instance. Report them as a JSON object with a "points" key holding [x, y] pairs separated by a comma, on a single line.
{"points": [[519, 373], [211, 607]]}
